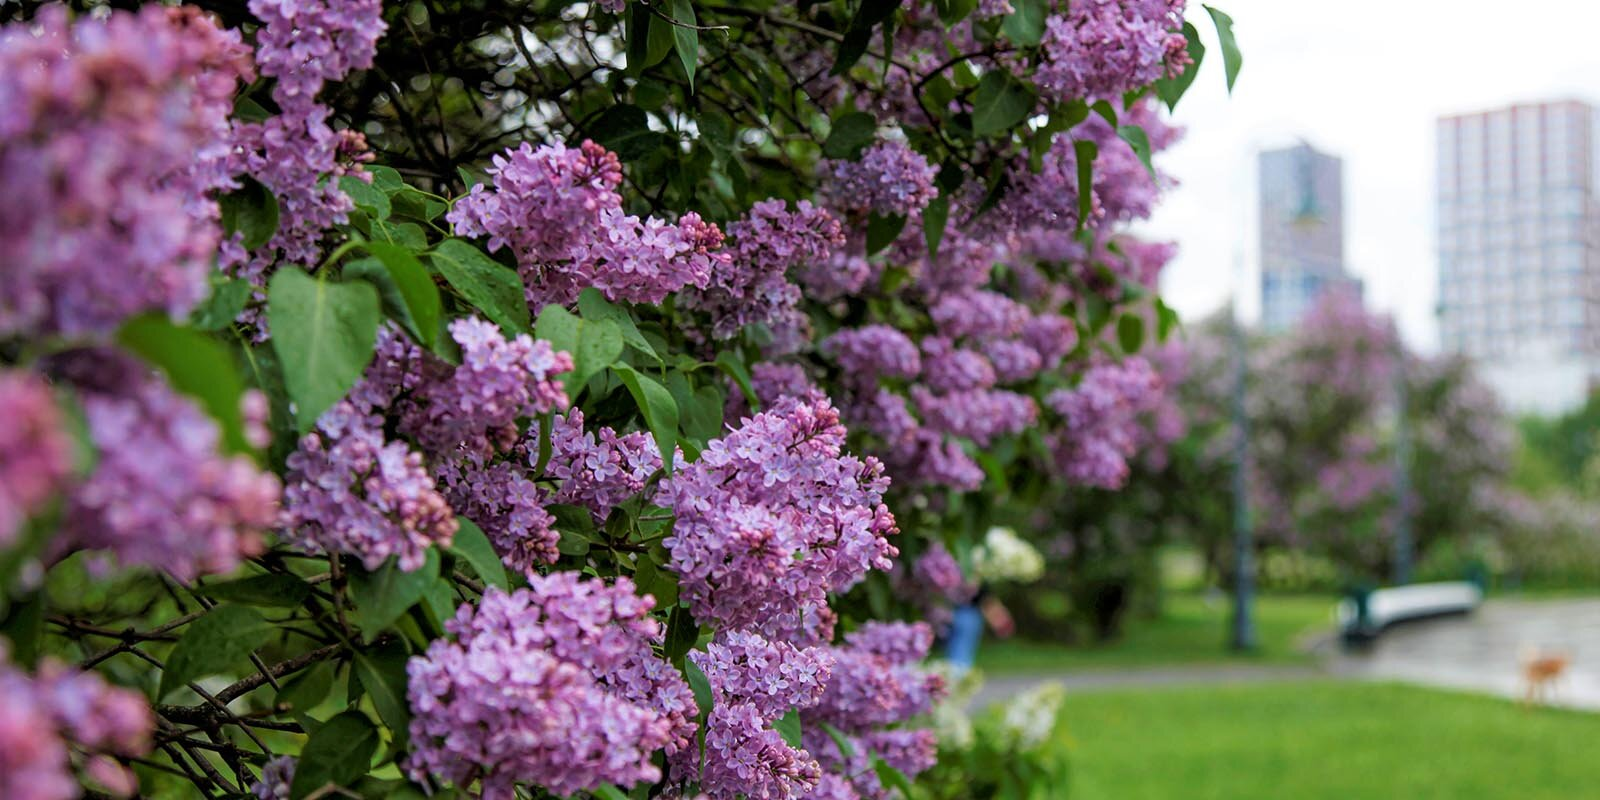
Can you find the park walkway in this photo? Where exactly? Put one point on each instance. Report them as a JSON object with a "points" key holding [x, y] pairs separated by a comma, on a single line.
{"points": [[1479, 652]]}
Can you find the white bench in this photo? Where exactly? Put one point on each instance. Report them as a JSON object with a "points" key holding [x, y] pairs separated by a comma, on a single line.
{"points": [[1384, 607]]}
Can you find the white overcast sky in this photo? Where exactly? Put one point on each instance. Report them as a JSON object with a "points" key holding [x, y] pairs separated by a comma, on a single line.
{"points": [[1365, 80]]}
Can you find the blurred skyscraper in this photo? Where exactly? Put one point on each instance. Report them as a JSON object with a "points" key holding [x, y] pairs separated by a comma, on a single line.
{"points": [[1519, 249], [1302, 233]]}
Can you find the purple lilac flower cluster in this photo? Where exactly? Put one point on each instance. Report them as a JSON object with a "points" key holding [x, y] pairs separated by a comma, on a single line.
{"points": [[1100, 421], [771, 381], [890, 178], [754, 682], [351, 491], [109, 129], [752, 285], [47, 716], [875, 684], [557, 209], [874, 351], [35, 453], [1099, 49], [277, 777], [774, 516], [477, 404], [556, 685], [510, 508], [162, 494], [303, 44], [598, 470]]}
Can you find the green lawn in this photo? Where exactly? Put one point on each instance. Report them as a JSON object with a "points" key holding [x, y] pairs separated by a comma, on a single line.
{"points": [[1315, 740], [1191, 630]]}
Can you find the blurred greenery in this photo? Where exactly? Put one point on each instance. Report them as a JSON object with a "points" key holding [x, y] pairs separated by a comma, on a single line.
{"points": [[1314, 740], [1189, 629]]}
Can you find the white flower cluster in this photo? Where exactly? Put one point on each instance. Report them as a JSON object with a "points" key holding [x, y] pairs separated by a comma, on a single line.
{"points": [[1030, 717], [1004, 556], [950, 719]]}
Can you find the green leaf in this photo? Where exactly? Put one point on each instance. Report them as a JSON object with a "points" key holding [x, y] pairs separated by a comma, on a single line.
{"points": [[593, 344], [1025, 24], [307, 688], [382, 672], [367, 197], [682, 632], [415, 285], [934, 218], [656, 582], [882, 231], [700, 685], [1140, 142], [840, 740], [492, 288], [685, 39], [196, 365], [859, 34], [1086, 152], [1106, 112], [1166, 319], [658, 408], [1130, 333], [730, 363], [386, 179], [953, 11], [788, 726], [228, 297], [381, 597], [390, 298], [1232, 59], [1000, 104], [213, 644], [594, 305], [274, 590], [473, 546], [607, 791], [252, 210], [702, 418], [338, 754], [889, 775], [323, 333], [850, 135], [1171, 90]]}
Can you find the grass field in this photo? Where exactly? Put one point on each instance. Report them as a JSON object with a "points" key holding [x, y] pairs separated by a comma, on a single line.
{"points": [[1191, 630], [1325, 740]]}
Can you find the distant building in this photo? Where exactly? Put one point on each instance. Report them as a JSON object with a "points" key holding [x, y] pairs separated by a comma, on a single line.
{"points": [[1519, 249], [1302, 233]]}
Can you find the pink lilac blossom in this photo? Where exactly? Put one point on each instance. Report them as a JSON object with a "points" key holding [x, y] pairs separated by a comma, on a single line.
{"points": [[110, 128], [162, 493], [497, 382], [876, 683], [556, 685], [889, 179], [600, 469], [980, 314], [948, 369], [752, 286], [351, 491], [505, 504], [1099, 49], [755, 682], [1013, 360], [1100, 421], [277, 776], [873, 351], [61, 708], [936, 572], [35, 452], [774, 516], [977, 414], [303, 44], [557, 209], [844, 272]]}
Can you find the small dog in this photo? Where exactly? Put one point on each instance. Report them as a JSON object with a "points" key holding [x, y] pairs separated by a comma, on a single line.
{"points": [[1542, 672]]}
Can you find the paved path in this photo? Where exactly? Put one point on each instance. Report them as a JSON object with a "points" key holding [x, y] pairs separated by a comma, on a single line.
{"points": [[1478, 652]]}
